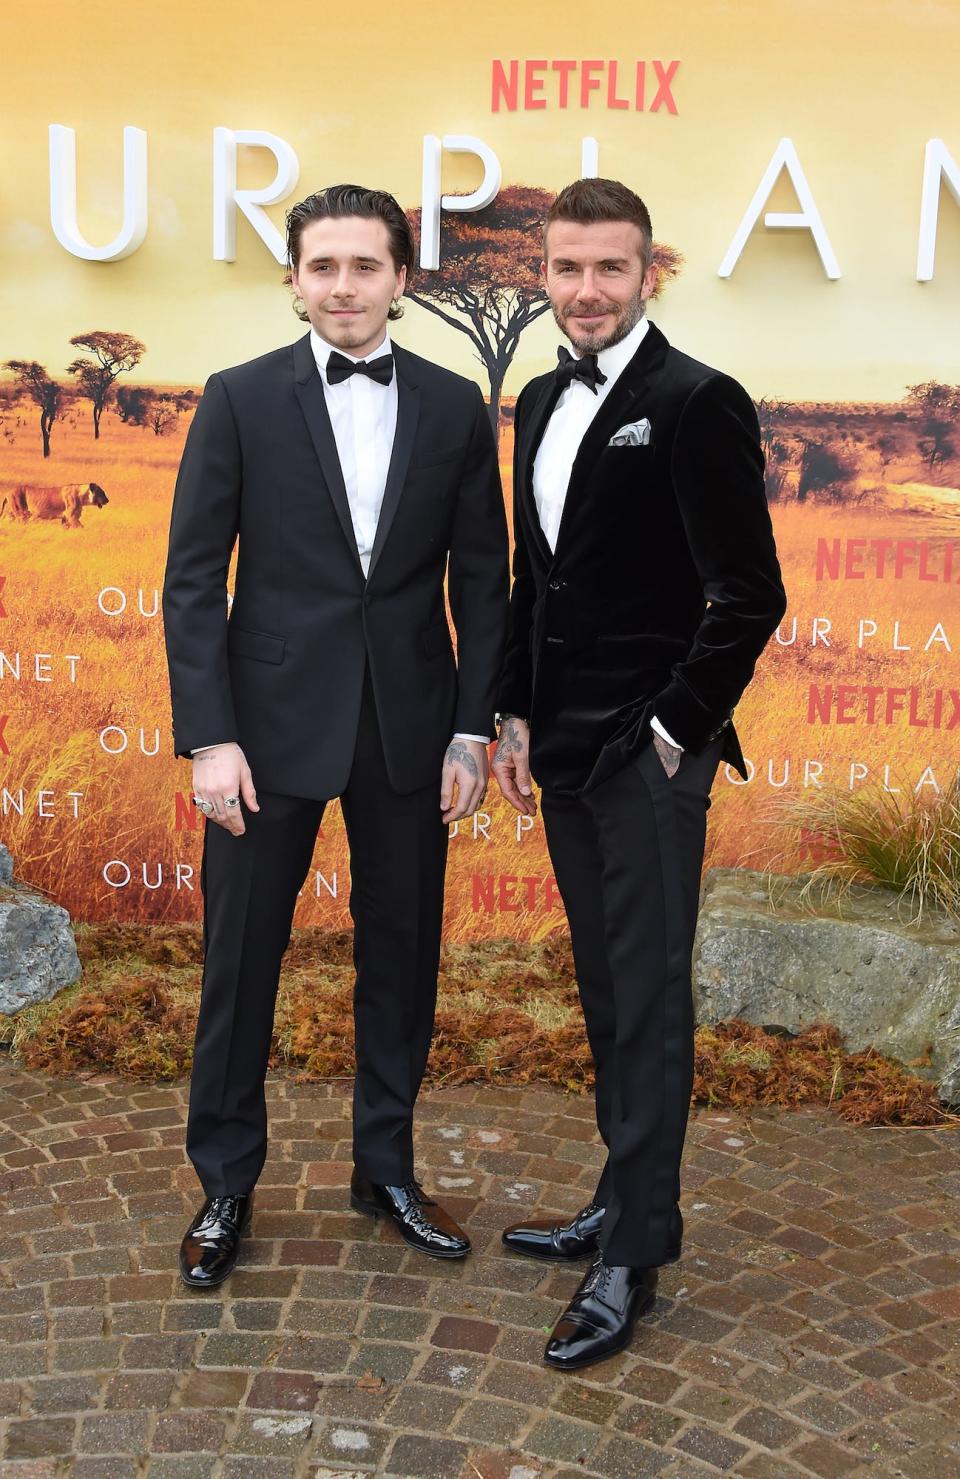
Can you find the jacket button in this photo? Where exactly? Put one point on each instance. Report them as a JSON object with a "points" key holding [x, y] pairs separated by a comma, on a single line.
{"points": [[555, 585]]}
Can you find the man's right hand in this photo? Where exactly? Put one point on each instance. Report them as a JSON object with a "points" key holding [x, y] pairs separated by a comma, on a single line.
{"points": [[219, 773], [511, 765]]}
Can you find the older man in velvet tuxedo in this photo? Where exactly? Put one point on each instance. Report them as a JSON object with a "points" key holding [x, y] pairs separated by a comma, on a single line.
{"points": [[356, 476], [646, 586]]}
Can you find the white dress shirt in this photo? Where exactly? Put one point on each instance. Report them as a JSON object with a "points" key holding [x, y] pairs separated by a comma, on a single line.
{"points": [[363, 414], [564, 432]]}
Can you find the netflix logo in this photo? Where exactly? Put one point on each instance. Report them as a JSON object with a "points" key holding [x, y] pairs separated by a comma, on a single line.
{"points": [[508, 893], [850, 703], [528, 86], [888, 559]]}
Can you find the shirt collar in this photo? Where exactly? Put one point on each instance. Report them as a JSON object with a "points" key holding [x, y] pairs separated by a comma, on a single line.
{"points": [[613, 361], [322, 351]]}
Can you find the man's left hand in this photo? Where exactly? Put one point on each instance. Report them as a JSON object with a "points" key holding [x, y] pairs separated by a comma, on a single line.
{"points": [[669, 754], [464, 768]]}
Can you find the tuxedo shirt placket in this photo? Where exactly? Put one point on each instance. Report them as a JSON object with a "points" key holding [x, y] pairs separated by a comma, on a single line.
{"points": [[363, 415]]}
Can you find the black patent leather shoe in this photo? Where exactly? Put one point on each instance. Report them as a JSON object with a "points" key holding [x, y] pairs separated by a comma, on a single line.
{"points": [[579, 1238], [211, 1243], [598, 1321], [421, 1222], [558, 1242]]}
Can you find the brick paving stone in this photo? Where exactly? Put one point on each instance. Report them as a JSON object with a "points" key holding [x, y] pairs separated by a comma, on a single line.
{"points": [[627, 1458], [39, 1437], [766, 1427], [562, 1438], [282, 1433], [490, 1421], [712, 1446], [113, 1432], [811, 1329], [103, 1466], [465, 1335], [425, 1458], [188, 1432], [425, 1409]]}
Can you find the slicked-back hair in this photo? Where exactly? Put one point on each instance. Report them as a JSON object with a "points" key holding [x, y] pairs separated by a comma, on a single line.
{"points": [[353, 200], [588, 201]]}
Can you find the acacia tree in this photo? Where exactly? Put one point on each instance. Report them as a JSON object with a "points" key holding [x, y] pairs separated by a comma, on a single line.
{"points": [[33, 379], [162, 415], [939, 408], [111, 354], [772, 416], [488, 285]]}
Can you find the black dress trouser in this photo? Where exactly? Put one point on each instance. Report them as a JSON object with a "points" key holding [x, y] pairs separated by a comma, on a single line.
{"points": [[627, 857], [398, 848]]}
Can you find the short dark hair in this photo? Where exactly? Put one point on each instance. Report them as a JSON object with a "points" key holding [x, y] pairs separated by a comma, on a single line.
{"points": [[586, 201], [352, 200]]}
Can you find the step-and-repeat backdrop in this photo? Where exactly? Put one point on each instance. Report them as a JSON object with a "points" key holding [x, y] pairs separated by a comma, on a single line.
{"points": [[802, 168]]}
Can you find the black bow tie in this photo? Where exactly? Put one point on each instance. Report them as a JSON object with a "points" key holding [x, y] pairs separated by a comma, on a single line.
{"points": [[340, 368], [585, 368]]}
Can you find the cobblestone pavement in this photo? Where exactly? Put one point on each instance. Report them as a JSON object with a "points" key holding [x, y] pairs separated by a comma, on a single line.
{"points": [[811, 1327]]}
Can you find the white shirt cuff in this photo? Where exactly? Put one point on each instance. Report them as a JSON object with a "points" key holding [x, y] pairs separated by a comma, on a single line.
{"points": [[658, 727], [210, 747], [481, 739]]}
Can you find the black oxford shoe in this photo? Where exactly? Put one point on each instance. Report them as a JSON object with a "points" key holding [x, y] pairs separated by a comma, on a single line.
{"points": [[598, 1321], [558, 1242], [212, 1241], [579, 1238], [421, 1222]]}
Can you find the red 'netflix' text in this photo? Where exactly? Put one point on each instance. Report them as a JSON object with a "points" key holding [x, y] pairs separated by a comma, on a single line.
{"points": [[888, 559], [853, 703], [642, 87]]}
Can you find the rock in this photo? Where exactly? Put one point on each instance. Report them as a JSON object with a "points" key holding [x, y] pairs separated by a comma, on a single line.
{"points": [[38, 954], [762, 955]]}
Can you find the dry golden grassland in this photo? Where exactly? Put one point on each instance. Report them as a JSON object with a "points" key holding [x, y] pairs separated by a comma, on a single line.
{"points": [[127, 809]]}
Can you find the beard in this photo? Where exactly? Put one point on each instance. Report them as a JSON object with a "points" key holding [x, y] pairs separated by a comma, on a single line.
{"points": [[628, 315]]}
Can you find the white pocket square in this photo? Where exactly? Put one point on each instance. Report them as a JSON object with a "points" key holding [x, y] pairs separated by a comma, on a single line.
{"points": [[635, 434]]}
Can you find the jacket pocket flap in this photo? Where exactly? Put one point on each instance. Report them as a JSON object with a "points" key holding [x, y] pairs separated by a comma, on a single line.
{"points": [[258, 645]]}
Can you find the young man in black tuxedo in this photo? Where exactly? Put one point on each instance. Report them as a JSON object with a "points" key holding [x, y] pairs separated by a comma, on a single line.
{"points": [[646, 586], [356, 476]]}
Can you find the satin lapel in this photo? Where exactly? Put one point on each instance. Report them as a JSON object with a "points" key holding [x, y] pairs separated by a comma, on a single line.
{"points": [[536, 425], [624, 403], [408, 416], [308, 388]]}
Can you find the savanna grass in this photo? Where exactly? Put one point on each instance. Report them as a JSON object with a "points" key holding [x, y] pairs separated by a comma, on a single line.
{"points": [[898, 840]]}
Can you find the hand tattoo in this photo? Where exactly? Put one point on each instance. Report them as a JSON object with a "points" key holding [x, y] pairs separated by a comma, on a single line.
{"points": [[669, 754], [509, 741], [458, 754]]}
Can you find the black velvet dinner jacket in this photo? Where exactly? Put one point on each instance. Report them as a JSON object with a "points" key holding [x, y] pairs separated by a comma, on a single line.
{"points": [[664, 587], [284, 676]]}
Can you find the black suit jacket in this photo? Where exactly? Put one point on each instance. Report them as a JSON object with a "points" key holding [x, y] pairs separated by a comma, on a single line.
{"points": [[284, 676], [664, 587]]}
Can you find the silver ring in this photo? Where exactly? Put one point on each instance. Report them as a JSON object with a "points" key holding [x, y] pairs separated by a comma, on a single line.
{"points": [[231, 800], [205, 806]]}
